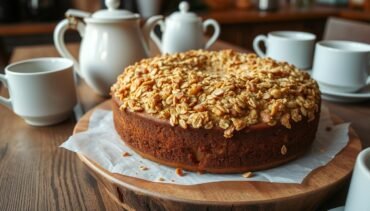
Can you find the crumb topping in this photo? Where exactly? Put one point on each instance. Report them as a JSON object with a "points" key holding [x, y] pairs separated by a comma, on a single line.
{"points": [[224, 89]]}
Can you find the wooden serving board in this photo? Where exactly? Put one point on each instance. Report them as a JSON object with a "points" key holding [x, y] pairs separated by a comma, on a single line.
{"points": [[137, 194]]}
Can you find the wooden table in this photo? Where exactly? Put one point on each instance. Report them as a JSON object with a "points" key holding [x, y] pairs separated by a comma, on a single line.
{"points": [[37, 175], [283, 14], [21, 29], [26, 28]]}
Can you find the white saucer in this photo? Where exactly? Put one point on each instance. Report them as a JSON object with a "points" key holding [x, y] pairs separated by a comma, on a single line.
{"points": [[343, 97]]}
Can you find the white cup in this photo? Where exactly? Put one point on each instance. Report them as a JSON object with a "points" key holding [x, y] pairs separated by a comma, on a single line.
{"points": [[358, 198], [341, 66], [42, 91], [149, 8], [291, 46]]}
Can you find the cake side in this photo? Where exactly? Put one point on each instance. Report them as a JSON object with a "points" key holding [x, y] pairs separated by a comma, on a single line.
{"points": [[207, 150]]}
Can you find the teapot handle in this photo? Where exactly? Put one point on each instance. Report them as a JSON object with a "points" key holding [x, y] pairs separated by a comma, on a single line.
{"points": [[154, 36], [216, 33], [68, 23]]}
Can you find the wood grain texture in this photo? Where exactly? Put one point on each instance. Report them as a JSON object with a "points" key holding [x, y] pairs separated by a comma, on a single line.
{"points": [[137, 194], [24, 29], [35, 174], [359, 15], [285, 13]]}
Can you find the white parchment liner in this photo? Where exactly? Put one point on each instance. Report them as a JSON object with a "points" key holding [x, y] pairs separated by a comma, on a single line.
{"points": [[101, 143]]}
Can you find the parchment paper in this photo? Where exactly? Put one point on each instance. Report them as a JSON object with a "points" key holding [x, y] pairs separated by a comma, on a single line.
{"points": [[103, 145]]}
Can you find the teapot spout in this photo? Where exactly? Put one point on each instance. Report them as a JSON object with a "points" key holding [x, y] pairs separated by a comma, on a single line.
{"points": [[148, 27]]}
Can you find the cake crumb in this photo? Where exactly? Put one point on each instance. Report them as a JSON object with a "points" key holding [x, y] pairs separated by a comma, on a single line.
{"points": [[248, 174], [143, 168], [126, 154], [200, 172], [180, 172], [161, 179], [284, 150], [328, 128]]}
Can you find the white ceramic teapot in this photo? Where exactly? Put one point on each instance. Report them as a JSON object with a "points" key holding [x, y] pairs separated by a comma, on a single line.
{"points": [[184, 31], [111, 40]]}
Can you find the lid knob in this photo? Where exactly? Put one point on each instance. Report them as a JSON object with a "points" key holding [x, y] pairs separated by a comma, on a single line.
{"points": [[184, 7], [112, 4]]}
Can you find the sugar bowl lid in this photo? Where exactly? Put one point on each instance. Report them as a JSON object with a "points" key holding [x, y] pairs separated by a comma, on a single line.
{"points": [[184, 14], [113, 13]]}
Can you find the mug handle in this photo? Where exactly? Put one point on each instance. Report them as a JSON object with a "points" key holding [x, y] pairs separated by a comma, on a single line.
{"points": [[368, 72], [256, 45], [73, 21], [155, 38], [216, 33], [3, 100]]}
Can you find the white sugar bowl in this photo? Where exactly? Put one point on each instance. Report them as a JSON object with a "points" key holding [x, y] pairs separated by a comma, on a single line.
{"points": [[183, 31]]}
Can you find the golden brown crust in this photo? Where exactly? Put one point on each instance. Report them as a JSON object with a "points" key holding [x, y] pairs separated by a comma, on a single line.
{"points": [[225, 89]]}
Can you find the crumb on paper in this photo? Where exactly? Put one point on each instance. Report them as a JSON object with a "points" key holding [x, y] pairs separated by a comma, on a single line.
{"points": [[143, 168], [328, 128], [248, 174], [161, 179], [126, 154], [284, 150], [180, 172]]}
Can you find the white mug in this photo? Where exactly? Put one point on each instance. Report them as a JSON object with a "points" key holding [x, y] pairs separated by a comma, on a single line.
{"points": [[291, 46], [42, 90], [358, 197], [341, 66]]}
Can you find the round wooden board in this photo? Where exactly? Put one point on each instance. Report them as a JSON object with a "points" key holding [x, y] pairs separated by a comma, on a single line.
{"points": [[137, 194]]}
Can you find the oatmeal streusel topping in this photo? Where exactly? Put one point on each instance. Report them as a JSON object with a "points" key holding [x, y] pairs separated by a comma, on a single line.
{"points": [[224, 89]]}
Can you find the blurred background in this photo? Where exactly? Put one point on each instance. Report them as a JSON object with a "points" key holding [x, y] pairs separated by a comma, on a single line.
{"points": [[31, 22]]}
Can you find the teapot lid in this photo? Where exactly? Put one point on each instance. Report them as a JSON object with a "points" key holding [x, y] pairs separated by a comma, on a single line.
{"points": [[184, 14], [112, 13]]}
